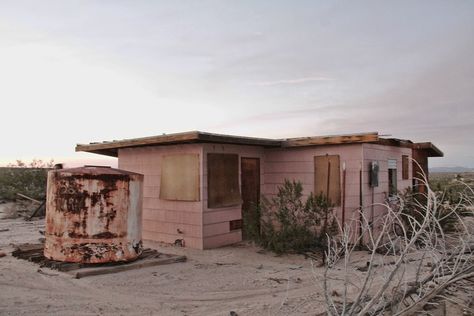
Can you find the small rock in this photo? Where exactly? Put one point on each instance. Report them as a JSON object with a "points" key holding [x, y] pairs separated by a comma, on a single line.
{"points": [[2, 254], [260, 267], [232, 313]]}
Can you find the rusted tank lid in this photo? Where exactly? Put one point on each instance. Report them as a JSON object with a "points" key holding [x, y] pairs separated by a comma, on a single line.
{"points": [[96, 170]]}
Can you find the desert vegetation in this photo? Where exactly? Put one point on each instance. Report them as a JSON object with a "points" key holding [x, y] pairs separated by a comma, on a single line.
{"points": [[25, 178], [291, 223], [409, 269]]}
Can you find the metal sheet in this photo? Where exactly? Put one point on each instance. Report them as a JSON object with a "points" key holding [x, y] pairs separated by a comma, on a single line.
{"points": [[180, 177]]}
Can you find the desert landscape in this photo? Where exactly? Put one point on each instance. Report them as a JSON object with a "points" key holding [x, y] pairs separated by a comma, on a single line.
{"points": [[233, 158], [241, 279]]}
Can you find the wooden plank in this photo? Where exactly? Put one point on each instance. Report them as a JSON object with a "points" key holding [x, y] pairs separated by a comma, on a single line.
{"points": [[178, 137], [180, 177], [29, 198], [239, 140], [327, 177], [126, 267], [25, 248], [395, 142], [331, 140]]}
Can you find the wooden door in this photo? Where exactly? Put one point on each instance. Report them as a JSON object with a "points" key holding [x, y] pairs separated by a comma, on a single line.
{"points": [[250, 179]]}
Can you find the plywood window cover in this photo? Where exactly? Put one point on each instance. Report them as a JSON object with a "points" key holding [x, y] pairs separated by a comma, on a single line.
{"points": [[180, 177], [321, 164], [223, 180]]}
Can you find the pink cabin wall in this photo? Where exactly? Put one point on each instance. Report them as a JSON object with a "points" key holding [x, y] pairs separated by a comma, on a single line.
{"points": [[298, 164], [381, 154], [205, 227], [216, 230], [163, 218]]}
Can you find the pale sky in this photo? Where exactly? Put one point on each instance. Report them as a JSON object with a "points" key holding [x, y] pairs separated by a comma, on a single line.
{"points": [[81, 71]]}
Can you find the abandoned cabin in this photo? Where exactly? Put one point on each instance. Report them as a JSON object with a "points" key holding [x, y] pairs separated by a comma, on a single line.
{"points": [[196, 184]]}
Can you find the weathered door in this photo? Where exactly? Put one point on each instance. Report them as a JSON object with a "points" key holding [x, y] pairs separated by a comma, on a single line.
{"points": [[250, 179]]}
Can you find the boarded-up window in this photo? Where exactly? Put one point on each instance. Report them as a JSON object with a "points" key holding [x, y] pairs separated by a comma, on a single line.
{"points": [[392, 177], [405, 175], [327, 179], [223, 180], [180, 177]]}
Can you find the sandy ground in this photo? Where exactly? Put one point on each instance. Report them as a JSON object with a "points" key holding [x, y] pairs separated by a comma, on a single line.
{"points": [[239, 278], [212, 282]]}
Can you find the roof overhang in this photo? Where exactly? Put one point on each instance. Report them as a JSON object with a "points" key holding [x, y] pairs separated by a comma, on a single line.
{"points": [[111, 148], [430, 149]]}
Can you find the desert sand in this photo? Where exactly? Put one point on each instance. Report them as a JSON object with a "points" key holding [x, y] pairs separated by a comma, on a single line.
{"points": [[237, 280], [240, 278]]}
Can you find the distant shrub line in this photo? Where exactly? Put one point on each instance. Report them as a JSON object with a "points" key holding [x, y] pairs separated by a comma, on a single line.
{"points": [[29, 179]]}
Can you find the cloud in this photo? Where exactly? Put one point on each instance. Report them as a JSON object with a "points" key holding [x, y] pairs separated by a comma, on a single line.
{"points": [[291, 81]]}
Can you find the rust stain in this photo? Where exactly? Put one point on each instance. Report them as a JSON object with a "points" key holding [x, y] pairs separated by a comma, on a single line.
{"points": [[87, 215]]}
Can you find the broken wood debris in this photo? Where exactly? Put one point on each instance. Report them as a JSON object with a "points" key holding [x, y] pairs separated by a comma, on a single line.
{"points": [[28, 198], [148, 258], [137, 264], [41, 207]]}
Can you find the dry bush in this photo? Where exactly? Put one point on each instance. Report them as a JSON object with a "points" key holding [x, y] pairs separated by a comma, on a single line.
{"points": [[419, 259]]}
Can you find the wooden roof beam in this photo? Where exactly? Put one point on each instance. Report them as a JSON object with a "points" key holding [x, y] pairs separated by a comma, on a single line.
{"points": [[331, 140]]}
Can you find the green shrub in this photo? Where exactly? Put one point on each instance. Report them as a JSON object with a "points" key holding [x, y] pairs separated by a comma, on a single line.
{"points": [[290, 224], [251, 220]]}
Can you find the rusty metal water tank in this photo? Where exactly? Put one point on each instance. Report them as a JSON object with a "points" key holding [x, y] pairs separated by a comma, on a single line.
{"points": [[93, 215]]}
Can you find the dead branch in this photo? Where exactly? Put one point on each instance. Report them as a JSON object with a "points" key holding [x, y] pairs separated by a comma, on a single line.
{"points": [[390, 282]]}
